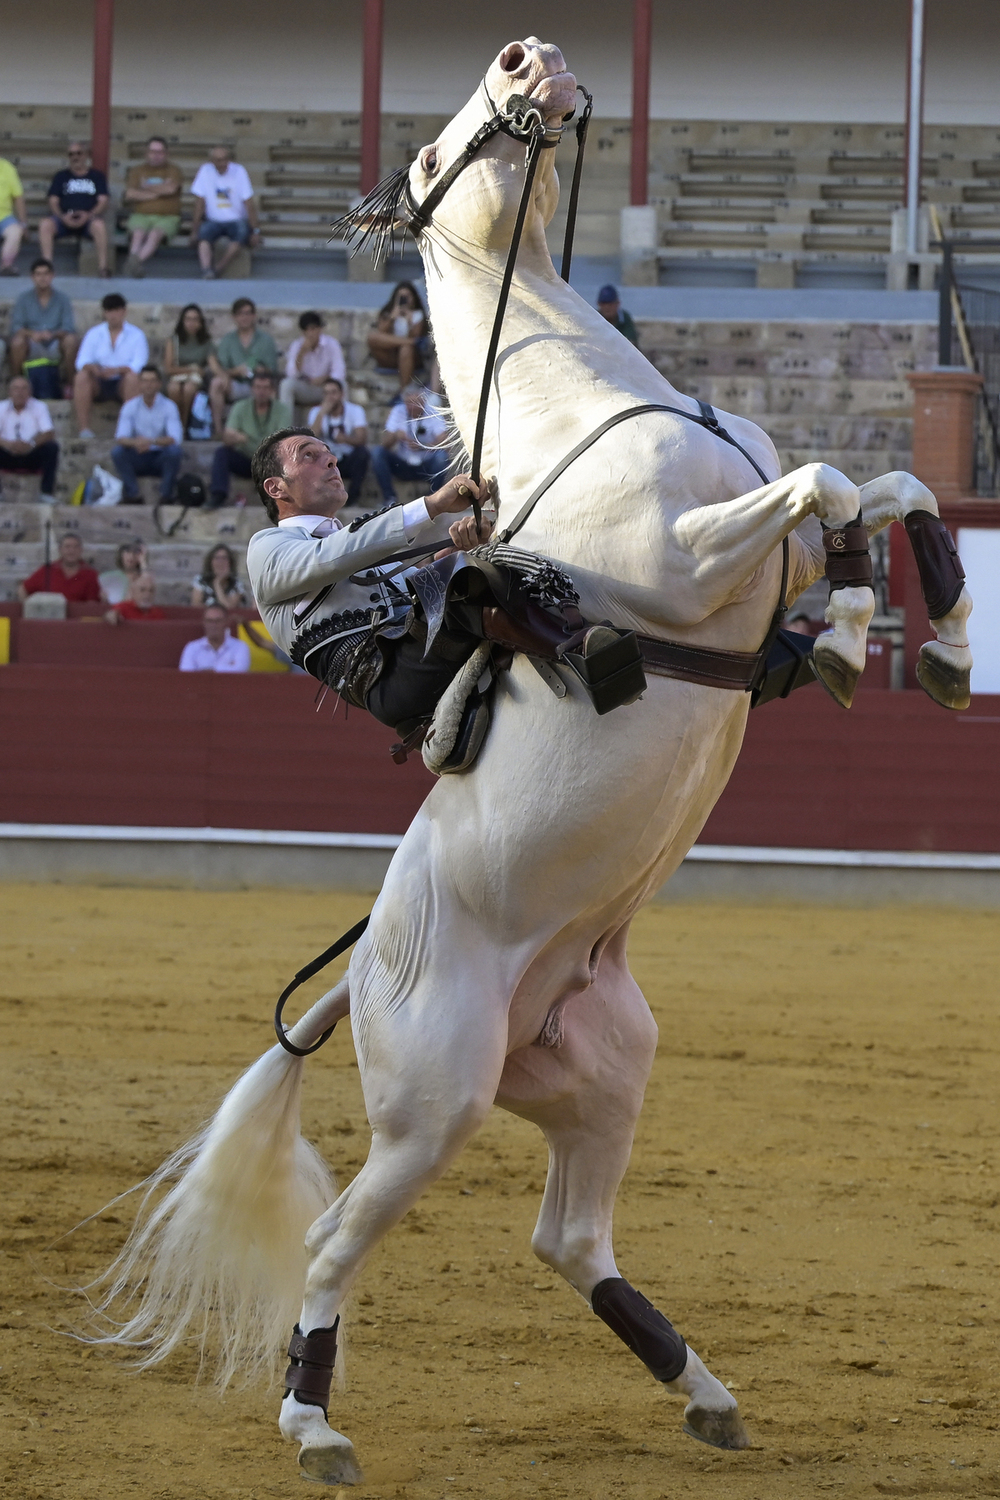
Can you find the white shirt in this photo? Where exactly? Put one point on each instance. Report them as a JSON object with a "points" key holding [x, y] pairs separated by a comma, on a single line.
{"points": [[325, 362], [232, 656], [130, 348], [136, 419], [334, 428], [224, 193], [420, 434], [24, 426]]}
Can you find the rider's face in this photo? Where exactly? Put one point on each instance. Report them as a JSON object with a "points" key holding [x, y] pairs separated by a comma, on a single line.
{"points": [[312, 482]]}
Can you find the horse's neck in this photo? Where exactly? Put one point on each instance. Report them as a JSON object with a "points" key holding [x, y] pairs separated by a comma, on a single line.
{"points": [[561, 370]]}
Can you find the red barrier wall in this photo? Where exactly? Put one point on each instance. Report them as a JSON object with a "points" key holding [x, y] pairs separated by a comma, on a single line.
{"points": [[194, 749], [152, 747]]}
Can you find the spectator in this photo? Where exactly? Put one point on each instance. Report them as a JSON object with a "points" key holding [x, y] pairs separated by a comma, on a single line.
{"points": [[224, 208], [313, 358], [140, 604], [27, 442], [188, 358], [148, 439], [13, 216], [218, 582], [239, 353], [396, 339], [248, 424], [217, 650], [78, 196], [413, 444], [130, 561], [110, 357], [69, 576], [153, 187], [609, 306], [343, 426], [43, 334]]}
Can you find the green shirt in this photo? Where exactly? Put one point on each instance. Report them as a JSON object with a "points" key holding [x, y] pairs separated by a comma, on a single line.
{"points": [[625, 324], [244, 418], [261, 350]]}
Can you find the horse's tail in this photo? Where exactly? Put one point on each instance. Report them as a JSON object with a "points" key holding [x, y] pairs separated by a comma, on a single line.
{"points": [[219, 1259]]}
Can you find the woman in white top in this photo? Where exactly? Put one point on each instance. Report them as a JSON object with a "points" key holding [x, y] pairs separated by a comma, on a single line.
{"points": [[396, 339]]}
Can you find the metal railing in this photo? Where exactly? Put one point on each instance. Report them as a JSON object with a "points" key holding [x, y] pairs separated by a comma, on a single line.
{"points": [[969, 334]]}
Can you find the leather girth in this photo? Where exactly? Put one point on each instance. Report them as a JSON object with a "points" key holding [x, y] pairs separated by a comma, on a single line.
{"points": [[708, 665]]}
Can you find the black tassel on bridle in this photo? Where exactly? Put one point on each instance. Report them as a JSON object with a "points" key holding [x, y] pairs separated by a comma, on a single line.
{"points": [[379, 222]]}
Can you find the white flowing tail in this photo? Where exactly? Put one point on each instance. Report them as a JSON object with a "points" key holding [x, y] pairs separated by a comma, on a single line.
{"points": [[220, 1259]]}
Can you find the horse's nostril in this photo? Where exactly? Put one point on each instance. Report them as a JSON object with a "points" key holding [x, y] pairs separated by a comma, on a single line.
{"points": [[512, 57]]}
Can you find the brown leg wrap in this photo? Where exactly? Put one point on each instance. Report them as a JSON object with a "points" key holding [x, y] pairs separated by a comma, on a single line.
{"points": [[639, 1325], [938, 562], [313, 1357], [848, 564]]}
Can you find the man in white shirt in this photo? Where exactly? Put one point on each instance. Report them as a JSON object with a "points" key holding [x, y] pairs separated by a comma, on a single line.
{"points": [[224, 208], [343, 426], [148, 439], [108, 361], [413, 443], [216, 650], [313, 358], [27, 441]]}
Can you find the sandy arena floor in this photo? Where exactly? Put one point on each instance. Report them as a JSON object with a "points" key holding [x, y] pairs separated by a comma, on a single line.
{"points": [[813, 1199]]}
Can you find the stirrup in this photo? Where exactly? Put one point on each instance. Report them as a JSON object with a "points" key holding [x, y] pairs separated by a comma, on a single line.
{"points": [[609, 664]]}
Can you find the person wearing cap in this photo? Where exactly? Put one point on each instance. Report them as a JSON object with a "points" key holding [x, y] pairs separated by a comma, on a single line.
{"points": [[609, 306]]}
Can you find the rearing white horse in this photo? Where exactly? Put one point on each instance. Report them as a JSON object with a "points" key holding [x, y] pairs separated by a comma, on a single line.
{"points": [[494, 968]]}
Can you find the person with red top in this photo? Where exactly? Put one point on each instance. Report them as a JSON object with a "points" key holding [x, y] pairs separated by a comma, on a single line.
{"points": [[140, 603], [69, 576]]}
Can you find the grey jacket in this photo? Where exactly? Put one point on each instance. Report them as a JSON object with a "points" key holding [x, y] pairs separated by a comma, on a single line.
{"points": [[289, 568]]}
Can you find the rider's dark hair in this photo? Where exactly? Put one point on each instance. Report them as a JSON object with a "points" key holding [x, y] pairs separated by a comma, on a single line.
{"points": [[266, 464]]}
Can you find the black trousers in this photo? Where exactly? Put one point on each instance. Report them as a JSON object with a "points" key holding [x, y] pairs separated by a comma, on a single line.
{"points": [[43, 459], [410, 684], [353, 468]]}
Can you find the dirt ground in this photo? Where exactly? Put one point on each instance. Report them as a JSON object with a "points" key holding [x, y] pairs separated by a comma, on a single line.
{"points": [[813, 1199]]}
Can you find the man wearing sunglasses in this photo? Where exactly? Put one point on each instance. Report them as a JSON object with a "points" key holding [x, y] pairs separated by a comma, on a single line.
{"points": [[78, 196]]}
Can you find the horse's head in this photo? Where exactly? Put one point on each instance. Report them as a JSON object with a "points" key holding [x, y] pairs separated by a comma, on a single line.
{"points": [[472, 196]]}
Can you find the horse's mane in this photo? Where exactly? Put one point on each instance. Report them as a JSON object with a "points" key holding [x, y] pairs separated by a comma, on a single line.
{"points": [[377, 223]]}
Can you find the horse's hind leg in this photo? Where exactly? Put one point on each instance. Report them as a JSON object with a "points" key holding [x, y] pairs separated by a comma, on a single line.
{"points": [[944, 667], [583, 1085], [429, 1073]]}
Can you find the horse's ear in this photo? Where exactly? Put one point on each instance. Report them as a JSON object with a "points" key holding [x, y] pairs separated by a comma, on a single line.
{"points": [[375, 223]]}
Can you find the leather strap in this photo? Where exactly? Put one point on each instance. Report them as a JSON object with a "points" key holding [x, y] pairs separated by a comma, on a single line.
{"points": [[848, 561], [938, 562], [641, 1326], [313, 1357], [708, 665]]}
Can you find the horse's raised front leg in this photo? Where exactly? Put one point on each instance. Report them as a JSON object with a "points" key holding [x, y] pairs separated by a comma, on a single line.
{"points": [[944, 666], [582, 1083], [429, 1070], [731, 540]]}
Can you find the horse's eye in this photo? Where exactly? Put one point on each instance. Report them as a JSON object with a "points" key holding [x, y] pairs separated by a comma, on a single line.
{"points": [[429, 160]]}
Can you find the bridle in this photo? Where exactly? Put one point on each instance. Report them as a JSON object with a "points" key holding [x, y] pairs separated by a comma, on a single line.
{"points": [[523, 121]]}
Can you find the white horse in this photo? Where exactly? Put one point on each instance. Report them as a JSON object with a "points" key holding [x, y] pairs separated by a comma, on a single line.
{"points": [[494, 968]]}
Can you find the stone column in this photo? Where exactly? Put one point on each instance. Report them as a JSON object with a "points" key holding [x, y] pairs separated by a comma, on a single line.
{"points": [[944, 425]]}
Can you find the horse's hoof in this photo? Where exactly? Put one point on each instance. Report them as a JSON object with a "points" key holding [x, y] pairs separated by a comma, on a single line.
{"points": [[719, 1429], [944, 675], [837, 675], [331, 1462]]}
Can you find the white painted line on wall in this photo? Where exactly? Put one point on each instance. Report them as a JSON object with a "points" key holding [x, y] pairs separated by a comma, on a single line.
{"points": [[740, 854]]}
